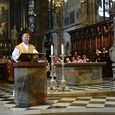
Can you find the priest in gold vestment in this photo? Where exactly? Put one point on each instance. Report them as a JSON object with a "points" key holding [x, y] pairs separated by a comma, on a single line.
{"points": [[24, 47]]}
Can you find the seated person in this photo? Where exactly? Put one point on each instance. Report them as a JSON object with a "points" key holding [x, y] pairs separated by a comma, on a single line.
{"points": [[98, 51], [79, 60], [74, 60], [75, 55], [67, 60], [98, 57], [105, 55], [85, 59], [57, 60], [104, 50]]}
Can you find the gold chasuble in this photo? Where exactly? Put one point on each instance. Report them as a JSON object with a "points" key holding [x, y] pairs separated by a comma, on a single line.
{"points": [[22, 49]]}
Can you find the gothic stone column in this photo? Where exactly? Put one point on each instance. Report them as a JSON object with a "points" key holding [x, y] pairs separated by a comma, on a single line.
{"points": [[112, 49]]}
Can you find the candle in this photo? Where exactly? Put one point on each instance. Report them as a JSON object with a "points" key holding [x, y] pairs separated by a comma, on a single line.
{"points": [[51, 49], [62, 49]]}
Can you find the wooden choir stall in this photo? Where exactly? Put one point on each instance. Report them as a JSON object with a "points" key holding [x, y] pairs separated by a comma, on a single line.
{"points": [[30, 82]]}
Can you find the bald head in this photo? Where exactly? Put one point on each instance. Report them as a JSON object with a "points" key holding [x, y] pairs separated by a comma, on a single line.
{"points": [[25, 38]]}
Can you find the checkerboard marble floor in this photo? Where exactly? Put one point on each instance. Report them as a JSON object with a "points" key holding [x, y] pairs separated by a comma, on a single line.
{"points": [[91, 102]]}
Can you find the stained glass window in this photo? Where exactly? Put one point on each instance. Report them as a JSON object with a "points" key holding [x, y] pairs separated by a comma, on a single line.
{"points": [[103, 8]]}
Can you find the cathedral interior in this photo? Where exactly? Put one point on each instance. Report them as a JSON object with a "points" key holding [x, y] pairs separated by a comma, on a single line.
{"points": [[74, 69]]}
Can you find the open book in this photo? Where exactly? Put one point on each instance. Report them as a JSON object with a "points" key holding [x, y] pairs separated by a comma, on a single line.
{"points": [[28, 57]]}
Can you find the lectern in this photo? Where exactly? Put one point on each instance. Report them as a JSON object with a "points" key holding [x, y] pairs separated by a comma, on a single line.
{"points": [[30, 82]]}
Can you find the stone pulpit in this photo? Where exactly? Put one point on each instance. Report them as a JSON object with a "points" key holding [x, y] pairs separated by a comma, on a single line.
{"points": [[30, 83]]}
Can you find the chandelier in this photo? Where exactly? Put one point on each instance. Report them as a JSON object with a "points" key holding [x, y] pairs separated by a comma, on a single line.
{"points": [[58, 3]]}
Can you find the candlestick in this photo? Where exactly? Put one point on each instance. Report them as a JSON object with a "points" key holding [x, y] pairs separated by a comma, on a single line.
{"points": [[62, 49], [53, 83], [63, 81], [51, 49]]}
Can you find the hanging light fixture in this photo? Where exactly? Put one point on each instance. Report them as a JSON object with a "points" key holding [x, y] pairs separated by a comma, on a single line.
{"points": [[83, 1], [58, 3]]}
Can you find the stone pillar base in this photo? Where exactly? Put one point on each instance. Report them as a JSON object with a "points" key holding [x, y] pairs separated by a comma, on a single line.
{"points": [[113, 68]]}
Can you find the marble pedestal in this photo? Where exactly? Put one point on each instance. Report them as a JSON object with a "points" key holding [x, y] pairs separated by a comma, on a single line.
{"points": [[30, 83]]}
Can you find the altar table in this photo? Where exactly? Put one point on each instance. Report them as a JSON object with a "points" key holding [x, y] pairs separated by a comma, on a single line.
{"points": [[80, 73]]}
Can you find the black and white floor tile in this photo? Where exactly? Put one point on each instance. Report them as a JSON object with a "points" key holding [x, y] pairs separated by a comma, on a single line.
{"points": [[7, 100]]}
